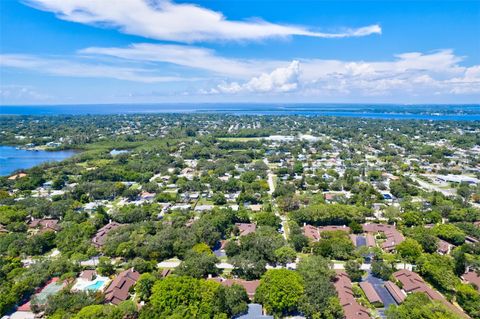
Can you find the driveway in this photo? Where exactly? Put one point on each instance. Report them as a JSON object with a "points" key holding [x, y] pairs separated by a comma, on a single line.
{"points": [[378, 285]]}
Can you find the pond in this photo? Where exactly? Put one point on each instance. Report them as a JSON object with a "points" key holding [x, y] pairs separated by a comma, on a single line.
{"points": [[12, 158]]}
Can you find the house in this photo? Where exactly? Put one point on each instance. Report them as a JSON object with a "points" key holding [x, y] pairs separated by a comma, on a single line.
{"points": [[249, 285], [118, 290], [370, 293], [394, 237], [101, 236], [245, 228], [444, 247], [472, 278], [334, 228], [395, 291], [313, 232], [88, 275], [412, 282], [203, 208], [44, 225], [351, 308]]}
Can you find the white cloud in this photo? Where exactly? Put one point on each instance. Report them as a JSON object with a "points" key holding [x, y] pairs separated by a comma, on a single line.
{"points": [[415, 74], [165, 20], [284, 79], [184, 55], [61, 67]]}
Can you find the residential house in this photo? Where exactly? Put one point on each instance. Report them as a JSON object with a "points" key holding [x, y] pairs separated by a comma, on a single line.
{"points": [[118, 290]]}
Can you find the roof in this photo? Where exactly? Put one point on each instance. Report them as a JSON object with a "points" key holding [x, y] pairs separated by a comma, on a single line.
{"points": [[395, 291], [370, 292], [394, 237], [99, 239], [118, 290], [311, 232], [249, 285], [88, 274], [334, 228], [370, 240], [45, 224], [412, 282], [351, 308], [246, 228], [473, 278], [443, 247]]}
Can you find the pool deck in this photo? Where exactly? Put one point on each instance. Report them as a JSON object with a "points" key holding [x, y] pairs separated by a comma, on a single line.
{"points": [[81, 284]]}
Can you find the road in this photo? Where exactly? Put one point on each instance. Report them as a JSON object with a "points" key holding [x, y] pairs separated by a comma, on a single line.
{"points": [[271, 187], [433, 188]]}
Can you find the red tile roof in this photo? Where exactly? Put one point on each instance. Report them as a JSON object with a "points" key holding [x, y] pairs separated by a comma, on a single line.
{"points": [[45, 224], [395, 291], [246, 228], [118, 290], [473, 278], [412, 282], [88, 274], [249, 285], [101, 236], [313, 232], [351, 308], [370, 292], [394, 237]]}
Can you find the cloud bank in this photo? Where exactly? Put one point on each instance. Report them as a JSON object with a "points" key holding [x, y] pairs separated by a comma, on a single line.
{"points": [[166, 20]]}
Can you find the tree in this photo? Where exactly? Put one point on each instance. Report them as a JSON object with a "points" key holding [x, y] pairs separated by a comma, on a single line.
{"points": [[439, 271], [424, 237], [409, 250], [419, 306], [280, 291], [450, 233], [267, 219], [105, 267], [198, 265], [353, 270], [334, 245], [469, 299], [219, 199], [285, 254], [381, 270], [320, 298], [233, 300], [144, 285], [186, 297]]}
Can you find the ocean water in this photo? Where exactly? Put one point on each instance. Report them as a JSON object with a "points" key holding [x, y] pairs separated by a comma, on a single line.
{"points": [[464, 112], [12, 159]]}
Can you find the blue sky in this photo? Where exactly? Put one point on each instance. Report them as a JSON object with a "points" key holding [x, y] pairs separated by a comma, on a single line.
{"points": [[148, 51]]}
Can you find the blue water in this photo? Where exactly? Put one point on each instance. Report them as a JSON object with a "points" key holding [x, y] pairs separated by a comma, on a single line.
{"points": [[465, 112], [12, 159], [95, 286]]}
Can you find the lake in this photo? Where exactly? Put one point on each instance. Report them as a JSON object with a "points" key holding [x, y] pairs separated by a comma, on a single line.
{"points": [[12, 158]]}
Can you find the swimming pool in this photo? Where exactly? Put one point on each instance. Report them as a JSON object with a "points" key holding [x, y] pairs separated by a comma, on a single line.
{"points": [[96, 286]]}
